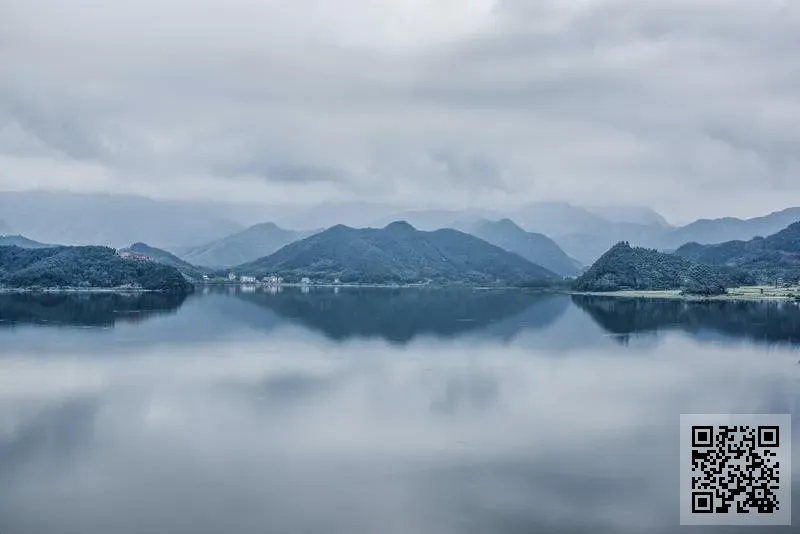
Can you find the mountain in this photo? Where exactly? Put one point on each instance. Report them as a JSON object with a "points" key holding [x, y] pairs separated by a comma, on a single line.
{"points": [[534, 247], [113, 220], [89, 266], [629, 214], [712, 231], [584, 235], [21, 241], [625, 267], [242, 247], [398, 253], [435, 219], [767, 258], [165, 258]]}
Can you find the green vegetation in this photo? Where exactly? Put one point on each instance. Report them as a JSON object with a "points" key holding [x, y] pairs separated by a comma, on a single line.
{"points": [[536, 248], [87, 267], [767, 259], [633, 268], [397, 253]]}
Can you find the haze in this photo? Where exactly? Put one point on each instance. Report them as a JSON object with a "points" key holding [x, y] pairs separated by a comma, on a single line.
{"points": [[689, 107]]}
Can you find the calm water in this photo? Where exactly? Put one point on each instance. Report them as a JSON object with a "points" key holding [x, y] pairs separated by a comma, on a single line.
{"points": [[370, 411]]}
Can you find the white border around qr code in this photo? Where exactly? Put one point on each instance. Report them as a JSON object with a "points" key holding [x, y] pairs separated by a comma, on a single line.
{"points": [[689, 516]]}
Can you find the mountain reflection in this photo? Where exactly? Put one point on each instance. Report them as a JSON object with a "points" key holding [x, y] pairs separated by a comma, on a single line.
{"points": [[400, 315], [760, 321], [84, 309]]}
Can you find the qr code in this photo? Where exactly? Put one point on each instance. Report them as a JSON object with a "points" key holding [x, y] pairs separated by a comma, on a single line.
{"points": [[735, 469]]}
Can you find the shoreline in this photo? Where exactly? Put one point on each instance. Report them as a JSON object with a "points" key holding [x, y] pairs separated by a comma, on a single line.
{"points": [[747, 293], [377, 286], [118, 290]]}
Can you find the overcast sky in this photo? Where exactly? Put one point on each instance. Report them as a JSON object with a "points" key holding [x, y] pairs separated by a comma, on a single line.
{"points": [[689, 106]]}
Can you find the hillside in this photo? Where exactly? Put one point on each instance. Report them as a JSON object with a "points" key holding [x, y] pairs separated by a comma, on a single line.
{"points": [[714, 231], [21, 241], [242, 247], [766, 258], [534, 247], [398, 253], [165, 258], [90, 266], [625, 267]]}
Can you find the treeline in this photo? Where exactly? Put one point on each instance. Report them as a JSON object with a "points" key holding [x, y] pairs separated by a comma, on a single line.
{"points": [[767, 259], [634, 268], [84, 267]]}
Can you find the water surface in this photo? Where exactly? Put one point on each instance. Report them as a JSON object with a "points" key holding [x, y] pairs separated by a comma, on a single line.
{"points": [[360, 411]]}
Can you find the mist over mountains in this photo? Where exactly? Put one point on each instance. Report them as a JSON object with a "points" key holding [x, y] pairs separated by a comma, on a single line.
{"points": [[248, 245], [112, 220], [220, 234]]}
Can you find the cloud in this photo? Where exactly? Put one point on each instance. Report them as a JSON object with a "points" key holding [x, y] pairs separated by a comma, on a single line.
{"points": [[469, 102]]}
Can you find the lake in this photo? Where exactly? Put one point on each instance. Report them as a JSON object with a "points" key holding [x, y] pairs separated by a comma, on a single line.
{"points": [[238, 410]]}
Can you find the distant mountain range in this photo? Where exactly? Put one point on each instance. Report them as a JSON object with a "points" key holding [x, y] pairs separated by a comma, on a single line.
{"points": [[630, 214], [624, 268], [767, 258], [248, 245], [585, 235], [398, 253], [220, 235], [113, 220], [712, 231], [534, 247]]}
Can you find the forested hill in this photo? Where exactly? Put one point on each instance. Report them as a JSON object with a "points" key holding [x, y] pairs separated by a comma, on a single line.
{"points": [[398, 253], [625, 267], [84, 266], [766, 258]]}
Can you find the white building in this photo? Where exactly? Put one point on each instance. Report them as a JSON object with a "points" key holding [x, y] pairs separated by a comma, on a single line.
{"points": [[305, 280], [247, 279], [231, 276]]}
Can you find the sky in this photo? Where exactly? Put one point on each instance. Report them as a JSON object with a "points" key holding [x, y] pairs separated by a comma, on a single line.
{"points": [[691, 107]]}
